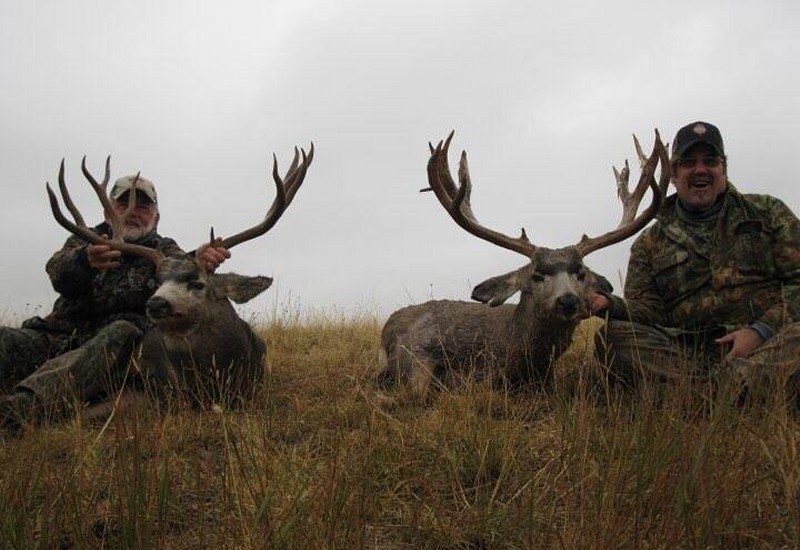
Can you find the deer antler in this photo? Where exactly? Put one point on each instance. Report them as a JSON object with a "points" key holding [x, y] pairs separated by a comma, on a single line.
{"points": [[115, 220], [456, 200], [285, 190], [630, 224]]}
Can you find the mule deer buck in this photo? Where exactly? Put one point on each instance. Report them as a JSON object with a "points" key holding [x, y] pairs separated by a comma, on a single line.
{"points": [[442, 341], [199, 344]]}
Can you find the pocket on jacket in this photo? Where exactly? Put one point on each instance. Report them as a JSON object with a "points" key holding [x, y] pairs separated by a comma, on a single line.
{"points": [[752, 248], [671, 273]]}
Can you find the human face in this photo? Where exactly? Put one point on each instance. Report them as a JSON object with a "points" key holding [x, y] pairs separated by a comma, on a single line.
{"points": [[142, 219], [696, 180]]}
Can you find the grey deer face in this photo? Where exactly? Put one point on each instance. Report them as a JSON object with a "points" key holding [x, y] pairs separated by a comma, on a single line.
{"points": [[187, 294], [557, 281]]}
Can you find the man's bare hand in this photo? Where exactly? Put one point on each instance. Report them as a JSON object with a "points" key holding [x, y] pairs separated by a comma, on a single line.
{"points": [[598, 303], [743, 341], [102, 257], [211, 257]]}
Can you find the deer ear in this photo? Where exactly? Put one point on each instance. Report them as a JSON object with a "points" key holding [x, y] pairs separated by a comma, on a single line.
{"points": [[498, 289], [240, 288]]}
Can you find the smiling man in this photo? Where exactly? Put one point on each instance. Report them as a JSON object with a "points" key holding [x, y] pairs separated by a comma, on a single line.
{"points": [[699, 169], [715, 281]]}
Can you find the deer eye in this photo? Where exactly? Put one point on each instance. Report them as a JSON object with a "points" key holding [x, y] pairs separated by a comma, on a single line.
{"points": [[581, 275], [195, 285], [537, 277]]}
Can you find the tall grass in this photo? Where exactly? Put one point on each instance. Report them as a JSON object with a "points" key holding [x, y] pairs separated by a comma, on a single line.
{"points": [[316, 462]]}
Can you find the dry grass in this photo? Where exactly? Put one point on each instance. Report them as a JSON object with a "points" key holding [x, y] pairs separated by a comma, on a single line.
{"points": [[315, 463]]}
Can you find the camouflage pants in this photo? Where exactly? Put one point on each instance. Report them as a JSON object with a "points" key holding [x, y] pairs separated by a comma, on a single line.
{"points": [[774, 368], [633, 351], [89, 372], [22, 351]]}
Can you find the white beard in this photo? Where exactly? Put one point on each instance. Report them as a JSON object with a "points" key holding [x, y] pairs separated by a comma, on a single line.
{"points": [[133, 234]]}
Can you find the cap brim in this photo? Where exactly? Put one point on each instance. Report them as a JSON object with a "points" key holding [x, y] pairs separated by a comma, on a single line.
{"points": [[141, 197], [691, 143]]}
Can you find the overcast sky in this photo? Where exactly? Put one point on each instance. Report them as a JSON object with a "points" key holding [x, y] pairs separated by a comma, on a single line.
{"points": [[544, 97]]}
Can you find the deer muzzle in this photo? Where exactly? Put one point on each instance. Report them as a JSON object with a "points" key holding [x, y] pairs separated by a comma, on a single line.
{"points": [[568, 305], [158, 308]]}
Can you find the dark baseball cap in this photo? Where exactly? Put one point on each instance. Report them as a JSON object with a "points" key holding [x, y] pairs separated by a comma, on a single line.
{"points": [[694, 133]]}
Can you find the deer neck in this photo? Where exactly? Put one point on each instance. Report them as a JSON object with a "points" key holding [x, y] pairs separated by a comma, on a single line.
{"points": [[535, 339]]}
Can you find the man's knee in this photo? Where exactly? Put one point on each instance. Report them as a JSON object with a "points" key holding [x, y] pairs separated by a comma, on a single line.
{"points": [[22, 350], [612, 349], [615, 337], [89, 370], [115, 342], [631, 350], [122, 330]]}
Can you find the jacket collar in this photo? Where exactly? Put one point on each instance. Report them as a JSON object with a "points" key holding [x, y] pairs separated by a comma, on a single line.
{"points": [[675, 228], [668, 212]]}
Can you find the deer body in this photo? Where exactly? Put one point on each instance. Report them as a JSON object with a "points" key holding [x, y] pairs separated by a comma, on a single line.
{"points": [[450, 340], [444, 341]]}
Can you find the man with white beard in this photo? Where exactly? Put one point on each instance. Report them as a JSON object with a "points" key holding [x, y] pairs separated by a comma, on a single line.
{"points": [[83, 346]]}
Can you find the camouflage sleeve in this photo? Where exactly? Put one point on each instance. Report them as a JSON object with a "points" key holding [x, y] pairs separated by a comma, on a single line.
{"points": [[69, 270], [170, 248], [642, 302], [786, 253]]}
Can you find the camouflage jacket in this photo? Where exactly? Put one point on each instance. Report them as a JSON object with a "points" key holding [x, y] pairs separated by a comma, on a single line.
{"points": [[748, 273], [90, 299]]}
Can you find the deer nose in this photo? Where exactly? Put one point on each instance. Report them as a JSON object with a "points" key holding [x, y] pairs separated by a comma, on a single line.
{"points": [[158, 308], [568, 304]]}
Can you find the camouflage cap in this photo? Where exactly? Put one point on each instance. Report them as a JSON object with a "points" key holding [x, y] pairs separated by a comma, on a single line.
{"points": [[143, 186], [694, 133]]}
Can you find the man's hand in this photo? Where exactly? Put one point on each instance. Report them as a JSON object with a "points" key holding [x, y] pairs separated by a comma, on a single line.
{"points": [[102, 257], [598, 303], [744, 341], [211, 257]]}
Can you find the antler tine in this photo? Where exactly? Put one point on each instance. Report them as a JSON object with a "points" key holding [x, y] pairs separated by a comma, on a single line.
{"points": [[641, 188], [101, 190], [80, 229], [622, 176], [456, 200], [285, 190], [666, 170], [133, 198], [631, 201], [62, 185], [443, 169], [295, 160], [640, 152], [664, 177], [296, 174], [629, 224]]}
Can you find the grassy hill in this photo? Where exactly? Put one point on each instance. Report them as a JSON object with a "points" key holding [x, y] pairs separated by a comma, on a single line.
{"points": [[317, 462]]}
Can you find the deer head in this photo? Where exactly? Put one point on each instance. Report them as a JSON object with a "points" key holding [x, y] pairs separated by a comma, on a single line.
{"points": [[555, 280]]}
